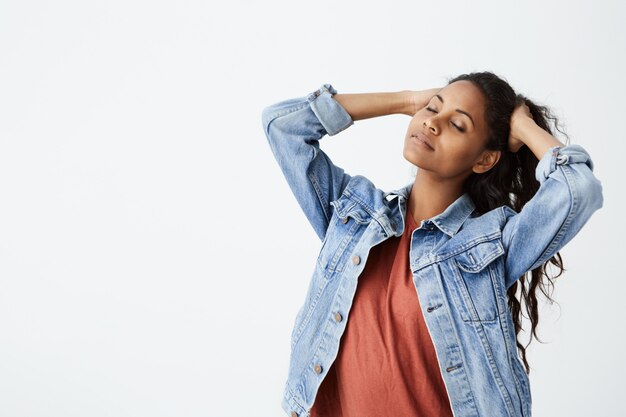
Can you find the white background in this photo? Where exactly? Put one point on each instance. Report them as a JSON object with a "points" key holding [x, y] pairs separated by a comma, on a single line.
{"points": [[152, 256]]}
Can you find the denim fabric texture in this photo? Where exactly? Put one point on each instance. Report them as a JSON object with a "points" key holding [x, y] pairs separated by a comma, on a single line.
{"points": [[462, 263]]}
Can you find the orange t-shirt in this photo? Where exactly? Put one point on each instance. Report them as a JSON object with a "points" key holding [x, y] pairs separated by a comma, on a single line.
{"points": [[386, 364]]}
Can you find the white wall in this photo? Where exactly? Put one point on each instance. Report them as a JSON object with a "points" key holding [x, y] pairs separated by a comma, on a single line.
{"points": [[152, 257]]}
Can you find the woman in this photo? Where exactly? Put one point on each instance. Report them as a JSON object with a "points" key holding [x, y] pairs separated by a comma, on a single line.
{"points": [[433, 323]]}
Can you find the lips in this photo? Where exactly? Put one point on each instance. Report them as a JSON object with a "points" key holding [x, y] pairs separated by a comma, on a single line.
{"points": [[423, 139]]}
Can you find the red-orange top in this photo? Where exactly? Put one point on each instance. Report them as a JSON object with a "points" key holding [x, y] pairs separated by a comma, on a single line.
{"points": [[386, 364]]}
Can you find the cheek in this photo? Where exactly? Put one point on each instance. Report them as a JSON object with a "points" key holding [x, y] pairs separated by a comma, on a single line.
{"points": [[460, 150], [457, 156], [416, 121]]}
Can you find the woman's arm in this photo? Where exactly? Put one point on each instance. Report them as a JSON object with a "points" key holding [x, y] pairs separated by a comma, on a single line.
{"points": [[568, 195], [524, 131], [294, 128], [367, 105]]}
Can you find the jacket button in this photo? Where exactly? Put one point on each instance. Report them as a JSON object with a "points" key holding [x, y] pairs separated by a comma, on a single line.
{"points": [[294, 414], [356, 259], [337, 316], [344, 220], [318, 369]]}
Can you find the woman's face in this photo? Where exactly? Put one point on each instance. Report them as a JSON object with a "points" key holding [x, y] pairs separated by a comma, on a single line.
{"points": [[453, 123]]}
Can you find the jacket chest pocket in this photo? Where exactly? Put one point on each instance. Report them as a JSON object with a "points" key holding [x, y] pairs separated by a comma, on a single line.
{"points": [[475, 281], [347, 224]]}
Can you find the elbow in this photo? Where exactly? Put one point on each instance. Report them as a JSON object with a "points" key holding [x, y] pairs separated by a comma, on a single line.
{"points": [[587, 189], [596, 193], [273, 131], [278, 121], [266, 118], [590, 194]]}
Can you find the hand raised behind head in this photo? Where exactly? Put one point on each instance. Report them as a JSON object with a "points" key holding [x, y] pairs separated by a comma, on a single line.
{"points": [[521, 112]]}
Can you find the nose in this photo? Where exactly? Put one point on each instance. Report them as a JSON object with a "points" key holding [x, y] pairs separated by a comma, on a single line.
{"points": [[429, 125]]}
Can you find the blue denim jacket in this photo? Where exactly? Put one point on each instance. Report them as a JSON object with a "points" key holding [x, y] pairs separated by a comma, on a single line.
{"points": [[462, 263]]}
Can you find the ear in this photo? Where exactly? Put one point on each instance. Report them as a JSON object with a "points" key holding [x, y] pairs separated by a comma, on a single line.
{"points": [[486, 161]]}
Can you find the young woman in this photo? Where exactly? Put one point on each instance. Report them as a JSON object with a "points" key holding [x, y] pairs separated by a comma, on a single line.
{"points": [[431, 328]]}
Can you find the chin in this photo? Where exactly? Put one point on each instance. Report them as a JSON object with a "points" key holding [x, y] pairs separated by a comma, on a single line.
{"points": [[412, 157]]}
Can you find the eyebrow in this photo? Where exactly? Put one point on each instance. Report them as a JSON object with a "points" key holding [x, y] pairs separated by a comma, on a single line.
{"points": [[458, 110]]}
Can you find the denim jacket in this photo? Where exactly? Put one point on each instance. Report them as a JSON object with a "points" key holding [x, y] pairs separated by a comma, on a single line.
{"points": [[462, 263]]}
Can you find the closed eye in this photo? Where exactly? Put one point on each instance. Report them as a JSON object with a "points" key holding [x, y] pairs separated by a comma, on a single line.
{"points": [[460, 130]]}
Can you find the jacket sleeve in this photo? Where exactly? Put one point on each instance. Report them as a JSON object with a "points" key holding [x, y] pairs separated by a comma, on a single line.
{"points": [[293, 128], [568, 195]]}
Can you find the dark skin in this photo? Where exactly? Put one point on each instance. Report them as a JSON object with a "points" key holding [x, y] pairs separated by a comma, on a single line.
{"points": [[455, 154]]}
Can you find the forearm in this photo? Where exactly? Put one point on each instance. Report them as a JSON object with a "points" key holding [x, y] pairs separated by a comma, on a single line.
{"points": [[368, 105], [537, 139]]}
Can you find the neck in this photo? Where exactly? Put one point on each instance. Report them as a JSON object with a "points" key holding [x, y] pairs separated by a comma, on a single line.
{"points": [[430, 195]]}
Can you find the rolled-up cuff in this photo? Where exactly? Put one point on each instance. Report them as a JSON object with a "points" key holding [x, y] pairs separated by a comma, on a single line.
{"points": [[333, 117], [559, 155]]}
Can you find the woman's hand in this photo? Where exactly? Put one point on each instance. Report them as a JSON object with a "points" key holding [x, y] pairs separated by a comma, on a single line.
{"points": [[520, 115], [418, 99]]}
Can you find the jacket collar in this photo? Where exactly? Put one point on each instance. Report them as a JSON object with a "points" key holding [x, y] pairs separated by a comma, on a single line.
{"points": [[450, 220]]}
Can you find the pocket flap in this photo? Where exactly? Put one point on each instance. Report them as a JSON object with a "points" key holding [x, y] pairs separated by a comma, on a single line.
{"points": [[478, 256], [346, 207]]}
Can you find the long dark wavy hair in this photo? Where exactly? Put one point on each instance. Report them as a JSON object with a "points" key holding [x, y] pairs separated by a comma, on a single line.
{"points": [[512, 182]]}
